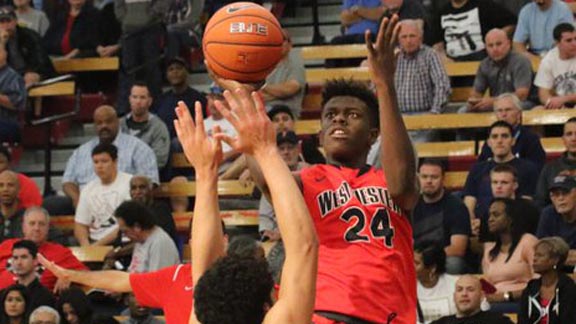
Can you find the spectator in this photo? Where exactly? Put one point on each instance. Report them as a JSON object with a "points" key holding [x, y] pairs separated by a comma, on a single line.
{"points": [[245, 246], [109, 30], [477, 191], [180, 204], [536, 22], [35, 227], [435, 287], [503, 71], [508, 108], [74, 33], [145, 125], [14, 305], [406, 9], [140, 42], [75, 307], [134, 157], [460, 28], [94, 222], [10, 209], [440, 217], [31, 18], [44, 315], [29, 194], [507, 262], [549, 299], [564, 165], [555, 75], [154, 249], [177, 76], [560, 218], [12, 98], [139, 314], [421, 81], [286, 83], [26, 53], [24, 265], [183, 27]]}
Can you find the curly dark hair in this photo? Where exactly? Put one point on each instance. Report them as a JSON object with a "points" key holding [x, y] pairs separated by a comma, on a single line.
{"points": [[343, 87], [235, 290]]}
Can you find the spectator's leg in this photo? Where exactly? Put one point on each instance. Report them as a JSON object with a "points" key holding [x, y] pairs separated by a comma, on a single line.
{"points": [[58, 205], [9, 131], [456, 265], [130, 58], [151, 55]]}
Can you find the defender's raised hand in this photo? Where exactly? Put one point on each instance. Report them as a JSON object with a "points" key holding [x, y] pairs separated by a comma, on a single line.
{"points": [[381, 56], [201, 151]]}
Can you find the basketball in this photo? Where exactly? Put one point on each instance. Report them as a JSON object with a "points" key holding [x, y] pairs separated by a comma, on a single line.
{"points": [[243, 42]]}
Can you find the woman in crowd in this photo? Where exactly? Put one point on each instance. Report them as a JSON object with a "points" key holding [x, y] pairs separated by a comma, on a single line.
{"points": [[550, 298], [435, 287], [75, 31], [75, 307], [507, 262], [14, 300]]}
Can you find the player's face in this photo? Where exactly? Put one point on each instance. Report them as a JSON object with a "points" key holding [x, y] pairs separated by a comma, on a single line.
{"points": [[70, 314], [543, 260], [498, 221], [22, 262], [35, 227], [346, 134], [410, 38], [140, 189], [468, 295], [14, 304], [567, 45], [500, 141], [9, 188], [283, 122], [104, 167], [140, 100], [289, 153], [564, 201], [506, 111], [431, 179], [503, 184], [569, 138]]}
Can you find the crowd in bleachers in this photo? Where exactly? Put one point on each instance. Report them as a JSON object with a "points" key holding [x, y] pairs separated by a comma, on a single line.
{"points": [[513, 224]]}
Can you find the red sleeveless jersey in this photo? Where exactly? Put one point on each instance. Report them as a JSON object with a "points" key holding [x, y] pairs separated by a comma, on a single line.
{"points": [[366, 263]]}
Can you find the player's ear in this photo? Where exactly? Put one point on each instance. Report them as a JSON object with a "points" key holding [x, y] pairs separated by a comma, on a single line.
{"points": [[374, 133]]}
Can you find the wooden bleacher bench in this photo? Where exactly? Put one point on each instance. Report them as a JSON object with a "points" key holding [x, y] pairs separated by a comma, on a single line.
{"points": [[64, 66], [90, 253], [188, 189], [63, 88]]}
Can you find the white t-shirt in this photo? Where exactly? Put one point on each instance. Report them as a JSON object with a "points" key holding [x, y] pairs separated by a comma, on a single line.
{"points": [[438, 301], [157, 252], [556, 74], [98, 202]]}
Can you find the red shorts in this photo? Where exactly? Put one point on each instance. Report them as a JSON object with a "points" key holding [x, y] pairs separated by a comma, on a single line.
{"points": [[317, 319]]}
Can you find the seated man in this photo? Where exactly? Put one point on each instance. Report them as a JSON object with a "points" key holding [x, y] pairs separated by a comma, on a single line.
{"points": [[10, 210], [560, 218], [461, 25], [94, 222], [503, 71], [536, 22], [24, 265], [45, 315], [153, 249], [142, 124], [134, 157], [29, 194], [441, 217], [557, 71], [564, 165], [12, 98], [26, 54], [477, 191], [468, 297], [35, 227], [527, 145]]}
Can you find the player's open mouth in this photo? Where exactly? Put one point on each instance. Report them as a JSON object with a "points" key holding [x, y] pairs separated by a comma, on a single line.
{"points": [[338, 133]]}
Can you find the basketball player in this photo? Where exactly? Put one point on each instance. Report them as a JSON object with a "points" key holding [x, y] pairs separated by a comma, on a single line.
{"points": [[365, 270]]}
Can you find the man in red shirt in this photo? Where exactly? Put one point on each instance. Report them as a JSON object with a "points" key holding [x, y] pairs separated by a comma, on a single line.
{"points": [[29, 194]]}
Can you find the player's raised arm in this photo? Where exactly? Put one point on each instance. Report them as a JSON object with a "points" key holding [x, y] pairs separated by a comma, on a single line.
{"points": [[256, 137], [205, 155], [398, 160]]}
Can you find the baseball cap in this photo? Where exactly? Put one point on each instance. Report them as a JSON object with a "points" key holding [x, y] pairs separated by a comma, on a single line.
{"points": [[276, 109], [286, 137], [7, 12], [563, 182], [178, 60]]}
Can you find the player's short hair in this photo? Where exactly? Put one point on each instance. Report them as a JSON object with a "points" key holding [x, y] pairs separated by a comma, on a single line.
{"points": [[432, 255], [498, 124], [441, 163], [111, 149], [560, 29], [505, 168], [234, 290], [28, 245], [135, 213], [351, 88]]}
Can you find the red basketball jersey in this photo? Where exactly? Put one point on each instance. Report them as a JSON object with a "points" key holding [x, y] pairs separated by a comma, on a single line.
{"points": [[366, 263]]}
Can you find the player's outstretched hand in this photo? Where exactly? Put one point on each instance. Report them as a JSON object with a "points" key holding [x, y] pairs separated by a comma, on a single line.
{"points": [[201, 151], [248, 116], [57, 270], [381, 56], [232, 85]]}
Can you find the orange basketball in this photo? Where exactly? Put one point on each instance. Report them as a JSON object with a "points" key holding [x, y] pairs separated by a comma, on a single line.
{"points": [[243, 42]]}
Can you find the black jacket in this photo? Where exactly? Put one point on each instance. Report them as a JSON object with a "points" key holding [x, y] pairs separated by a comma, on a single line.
{"points": [[83, 36], [32, 51], [561, 308]]}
